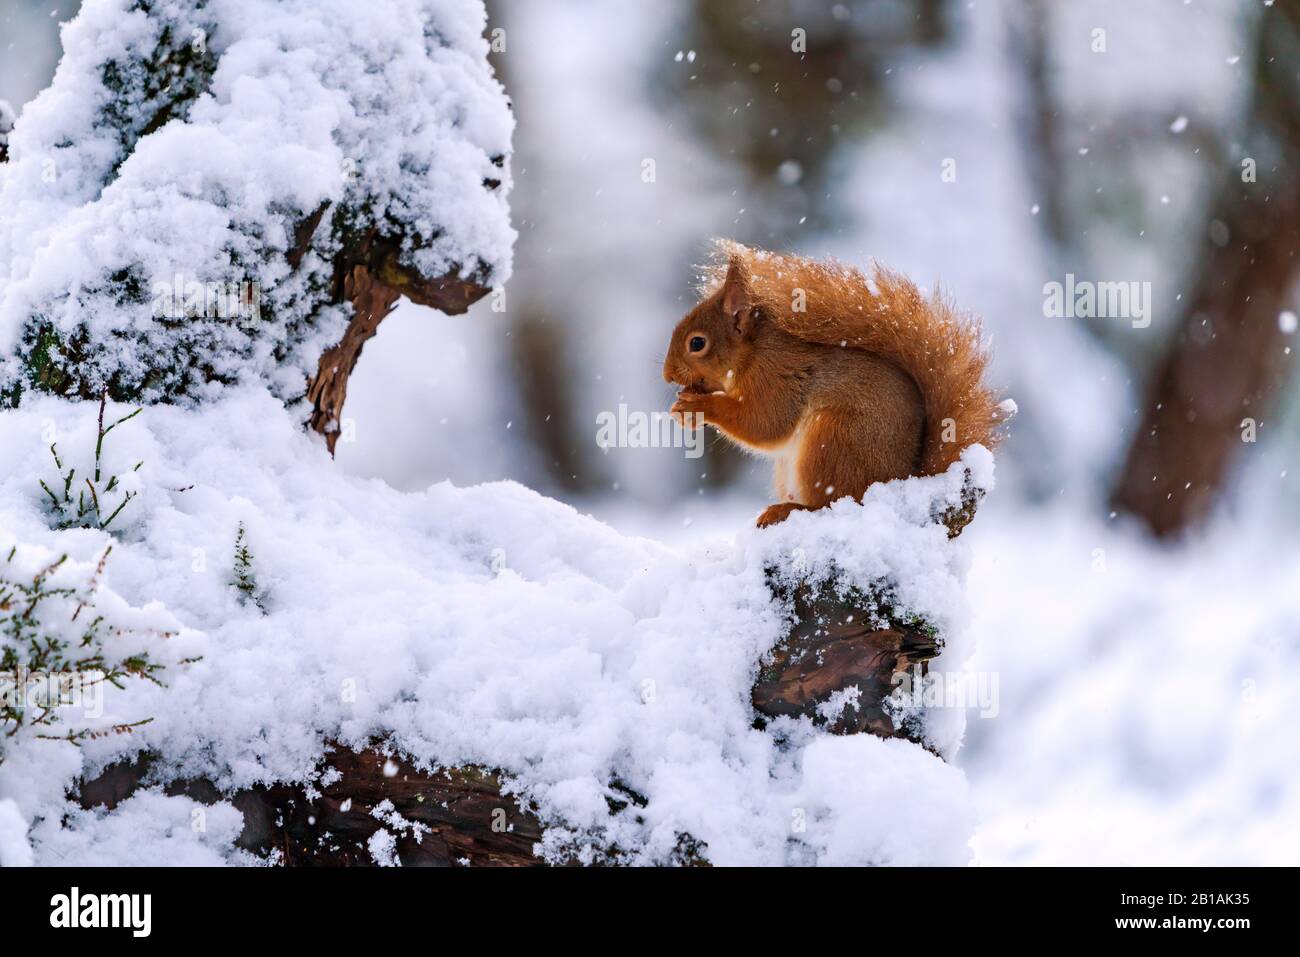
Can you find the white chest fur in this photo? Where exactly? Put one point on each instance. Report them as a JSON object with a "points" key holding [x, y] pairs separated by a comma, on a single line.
{"points": [[785, 467]]}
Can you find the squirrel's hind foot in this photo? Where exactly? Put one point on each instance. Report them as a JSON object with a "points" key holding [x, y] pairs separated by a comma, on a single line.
{"points": [[778, 513]]}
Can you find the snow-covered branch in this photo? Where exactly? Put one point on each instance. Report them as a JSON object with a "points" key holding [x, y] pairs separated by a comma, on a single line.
{"points": [[224, 191]]}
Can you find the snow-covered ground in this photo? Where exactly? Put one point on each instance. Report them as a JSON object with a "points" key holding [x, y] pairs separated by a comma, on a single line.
{"points": [[484, 625], [1149, 695]]}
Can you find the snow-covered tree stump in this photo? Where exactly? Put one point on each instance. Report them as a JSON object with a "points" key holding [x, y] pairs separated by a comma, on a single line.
{"points": [[847, 652], [366, 805]]}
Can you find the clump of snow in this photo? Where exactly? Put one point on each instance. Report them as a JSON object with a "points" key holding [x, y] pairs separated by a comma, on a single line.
{"points": [[856, 818], [14, 849], [386, 813], [839, 701], [148, 829], [487, 626], [184, 143], [383, 848]]}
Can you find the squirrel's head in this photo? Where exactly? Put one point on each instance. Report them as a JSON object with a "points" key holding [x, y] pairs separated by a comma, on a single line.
{"points": [[713, 343]]}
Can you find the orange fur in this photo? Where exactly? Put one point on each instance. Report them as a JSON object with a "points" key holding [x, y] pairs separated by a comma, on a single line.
{"points": [[939, 348], [843, 380]]}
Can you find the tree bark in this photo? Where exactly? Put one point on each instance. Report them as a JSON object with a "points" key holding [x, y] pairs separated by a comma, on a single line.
{"points": [[833, 648], [371, 278], [460, 814], [1226, 364]]}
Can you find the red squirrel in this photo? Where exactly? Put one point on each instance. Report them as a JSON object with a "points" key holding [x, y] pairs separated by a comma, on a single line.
{"points": [[843, 380]]}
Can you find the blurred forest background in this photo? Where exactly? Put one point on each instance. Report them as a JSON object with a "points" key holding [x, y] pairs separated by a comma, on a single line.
{"points": [[990, 147], [1104, 140], [1135, 571]]}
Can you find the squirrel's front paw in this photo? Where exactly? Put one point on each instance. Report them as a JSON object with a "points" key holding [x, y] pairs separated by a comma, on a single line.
{"points": [[689, 409]]}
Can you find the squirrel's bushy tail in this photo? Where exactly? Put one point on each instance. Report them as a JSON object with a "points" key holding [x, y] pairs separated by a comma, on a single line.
{"points": [[941, 349]]}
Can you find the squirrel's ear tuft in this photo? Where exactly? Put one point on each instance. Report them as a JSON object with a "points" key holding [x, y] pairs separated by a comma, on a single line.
{"points": [[736, 299]]}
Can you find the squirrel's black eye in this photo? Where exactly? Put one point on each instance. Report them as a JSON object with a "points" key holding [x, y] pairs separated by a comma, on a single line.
{"points": [[698, 343]]}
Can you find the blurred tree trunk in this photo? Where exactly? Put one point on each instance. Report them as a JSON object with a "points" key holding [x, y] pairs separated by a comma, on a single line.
{"points": [[539, 347], [1226, 363], [1028, 44]]}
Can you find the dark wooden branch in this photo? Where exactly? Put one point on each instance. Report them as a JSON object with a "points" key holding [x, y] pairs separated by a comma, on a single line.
{"points": [[371, 302], [369, 275]]}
